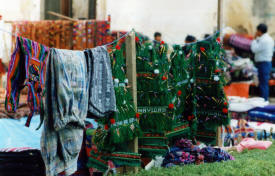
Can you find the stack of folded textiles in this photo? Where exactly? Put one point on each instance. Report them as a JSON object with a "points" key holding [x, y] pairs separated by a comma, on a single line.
{"points": [[263, 114]]}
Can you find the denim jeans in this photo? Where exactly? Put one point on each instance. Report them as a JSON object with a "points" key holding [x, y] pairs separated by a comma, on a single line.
{"points": [[264, 69]]}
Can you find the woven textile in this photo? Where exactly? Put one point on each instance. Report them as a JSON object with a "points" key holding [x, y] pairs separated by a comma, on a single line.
{"points": [[26, 68], [64, 34], [102, 99]]}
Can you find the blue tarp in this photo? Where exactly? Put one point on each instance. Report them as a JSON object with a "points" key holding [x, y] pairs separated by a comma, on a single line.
{"points": [[13, 133]]}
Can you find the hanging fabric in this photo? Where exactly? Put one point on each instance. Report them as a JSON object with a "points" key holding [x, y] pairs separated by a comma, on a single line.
{"points": [[65, 104], [76, 82], [26, 68], [102, 101]]}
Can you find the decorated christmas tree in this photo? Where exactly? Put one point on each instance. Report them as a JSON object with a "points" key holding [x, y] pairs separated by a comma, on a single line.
{"points": [[155, 105], [209, 100], [181, 83]]}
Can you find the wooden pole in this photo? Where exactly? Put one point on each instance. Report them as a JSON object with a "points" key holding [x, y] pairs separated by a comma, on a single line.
{"points": [[219, 23], [61, 16], [132, 78], [220, 14]]}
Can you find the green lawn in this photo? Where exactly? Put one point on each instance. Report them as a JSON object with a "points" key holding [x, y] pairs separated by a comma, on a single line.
{"points": [[248, 163]]}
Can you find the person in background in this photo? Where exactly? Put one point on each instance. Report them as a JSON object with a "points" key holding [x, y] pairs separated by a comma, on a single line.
{"points": [[262, 46], [157, 38], [186, 48], [206, 36], [190, 39]]}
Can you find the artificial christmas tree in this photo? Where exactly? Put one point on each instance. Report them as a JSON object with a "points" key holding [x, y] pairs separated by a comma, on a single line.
{"points": [[154, 97], [209, 101]]}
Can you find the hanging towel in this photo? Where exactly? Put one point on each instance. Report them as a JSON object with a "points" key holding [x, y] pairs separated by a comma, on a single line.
{"points": [[102, 100], [26, 68]]}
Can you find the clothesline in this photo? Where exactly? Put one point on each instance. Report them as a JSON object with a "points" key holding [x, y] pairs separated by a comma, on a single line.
{"points": [[123, 36]]}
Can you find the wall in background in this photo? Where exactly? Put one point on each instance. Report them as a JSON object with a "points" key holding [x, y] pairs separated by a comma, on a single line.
{"points": [[174, 19], [20, 9], [245, 15]]}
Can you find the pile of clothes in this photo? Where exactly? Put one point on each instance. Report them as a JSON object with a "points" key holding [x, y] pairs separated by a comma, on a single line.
{"points": [[184, 152], [241, 104], [241, 69]]}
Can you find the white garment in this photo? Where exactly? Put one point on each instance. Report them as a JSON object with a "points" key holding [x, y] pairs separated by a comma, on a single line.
{"points": [[241, 104], [263, 48]]}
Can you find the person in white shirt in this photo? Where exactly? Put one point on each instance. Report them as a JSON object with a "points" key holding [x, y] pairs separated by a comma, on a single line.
{"points": [[263, 47]]}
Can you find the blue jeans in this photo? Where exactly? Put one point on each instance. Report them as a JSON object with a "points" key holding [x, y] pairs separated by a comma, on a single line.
{"points": [[264, 69]]}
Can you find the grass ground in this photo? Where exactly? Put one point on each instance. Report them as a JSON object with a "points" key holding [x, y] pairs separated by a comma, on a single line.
{"points": [[248, 163]]}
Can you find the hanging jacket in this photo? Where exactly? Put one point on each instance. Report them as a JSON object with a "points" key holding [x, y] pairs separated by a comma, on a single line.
{"points": [[26, 68]]}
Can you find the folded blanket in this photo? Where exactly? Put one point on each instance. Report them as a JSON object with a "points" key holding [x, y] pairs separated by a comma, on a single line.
{"points": [[268, 109], [250, 143], [261, 116], [240, 42]]}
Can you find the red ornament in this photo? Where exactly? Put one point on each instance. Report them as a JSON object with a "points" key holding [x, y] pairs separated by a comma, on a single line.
{"points": [[202, 49], [179, 93], [106, 127], [113, 121], [191, 117], [225, 110], [162, 42], [137, 115], [164, 78], [117, 47], [225, 103], [218, 40], [217, 70], [137, 39], [171, 106]]}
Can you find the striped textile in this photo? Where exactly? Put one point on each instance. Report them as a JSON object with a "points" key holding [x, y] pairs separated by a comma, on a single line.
{"points": [[26, 68], [20, 149]]}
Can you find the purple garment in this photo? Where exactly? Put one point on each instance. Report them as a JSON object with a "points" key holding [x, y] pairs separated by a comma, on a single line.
{"points": [[215, 154], [240, 42], [186, 153]]}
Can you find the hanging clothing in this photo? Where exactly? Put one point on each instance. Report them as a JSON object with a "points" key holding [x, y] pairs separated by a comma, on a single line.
{"points": [[102, 101], [65, 103], [26, 68], [77, 82]]}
